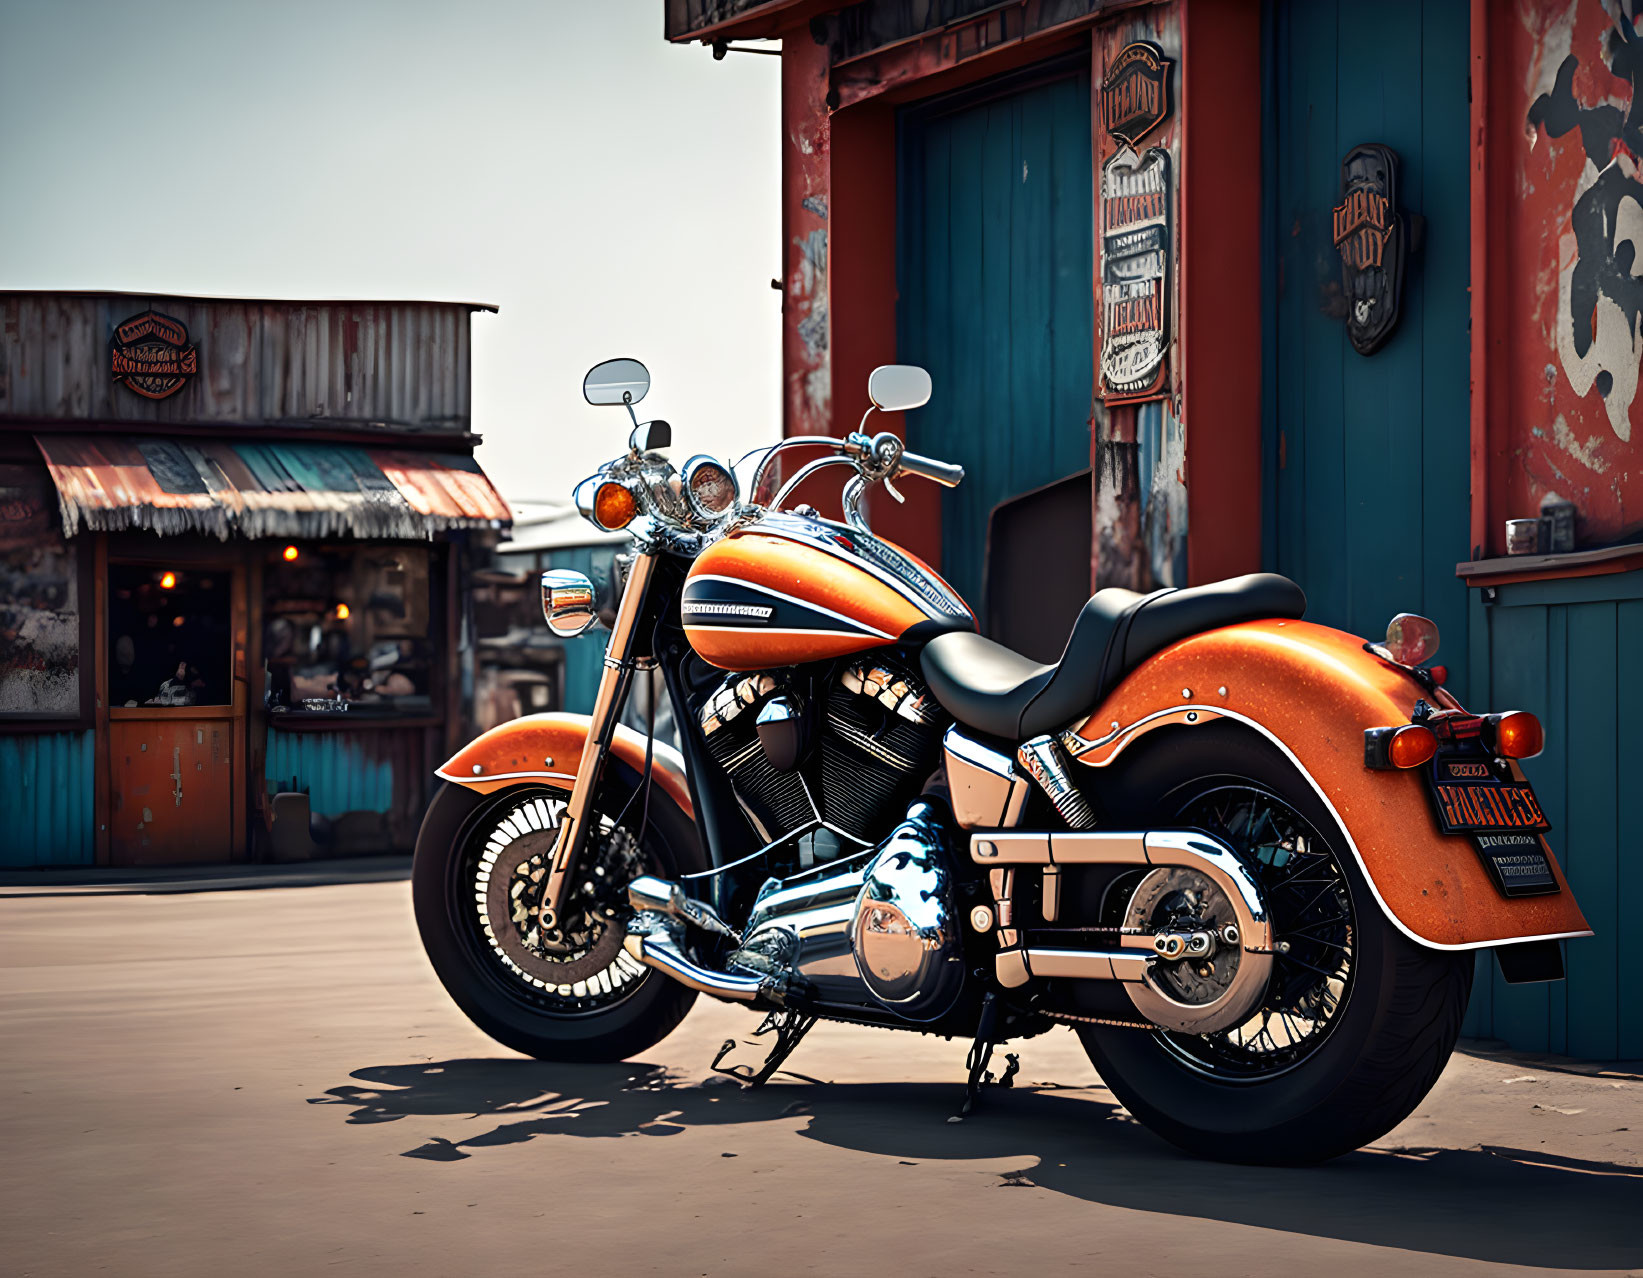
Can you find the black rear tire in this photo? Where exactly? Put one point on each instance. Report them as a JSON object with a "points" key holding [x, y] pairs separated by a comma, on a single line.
{"points": [[1387, 1042], [494, 997]]}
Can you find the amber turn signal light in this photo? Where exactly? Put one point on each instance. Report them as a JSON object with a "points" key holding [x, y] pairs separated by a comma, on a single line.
{"points": [[1517, 734], [614, 506], [1406, 747], [1411, 746]]}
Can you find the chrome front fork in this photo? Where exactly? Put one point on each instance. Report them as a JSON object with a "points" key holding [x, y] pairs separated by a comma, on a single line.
{"points": [[614, 682]]}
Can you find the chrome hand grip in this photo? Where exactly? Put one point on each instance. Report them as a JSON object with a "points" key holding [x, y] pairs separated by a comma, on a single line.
{"points": [[944, 473]]}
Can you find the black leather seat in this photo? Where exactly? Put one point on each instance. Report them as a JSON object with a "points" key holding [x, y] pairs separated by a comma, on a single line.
{"points": [[986, 686]]}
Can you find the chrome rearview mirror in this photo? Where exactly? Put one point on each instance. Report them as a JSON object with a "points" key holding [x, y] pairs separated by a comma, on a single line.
{"points": [[567, 602], [616, 381], [894, 388]]}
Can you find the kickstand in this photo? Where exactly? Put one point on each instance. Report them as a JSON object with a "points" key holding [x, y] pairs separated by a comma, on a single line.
{"points": [[788, 1026], [981, 1054]]}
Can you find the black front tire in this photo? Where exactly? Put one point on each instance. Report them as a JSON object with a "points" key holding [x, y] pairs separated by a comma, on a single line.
{"points": [[491, 996], [1392, 1035]]}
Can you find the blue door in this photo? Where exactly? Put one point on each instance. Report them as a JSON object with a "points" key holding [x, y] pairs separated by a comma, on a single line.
{"points": [[994, 263], [1367, 456]]}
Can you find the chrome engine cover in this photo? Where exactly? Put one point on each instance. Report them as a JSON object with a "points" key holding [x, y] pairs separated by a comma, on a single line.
{"points": [[905, 935], [880, 934]]}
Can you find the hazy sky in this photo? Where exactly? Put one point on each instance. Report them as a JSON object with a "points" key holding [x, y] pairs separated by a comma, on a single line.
{"points": [[614, 194]]}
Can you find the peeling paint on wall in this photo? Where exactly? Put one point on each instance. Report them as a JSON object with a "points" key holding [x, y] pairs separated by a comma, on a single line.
{"points": [[1140, 493], [1566, 211], [806, 327]]}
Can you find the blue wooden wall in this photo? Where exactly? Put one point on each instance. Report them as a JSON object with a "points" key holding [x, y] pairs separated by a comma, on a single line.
{"points": [[47, 808], [1571, 651], [995, 263], [1367, 456]]}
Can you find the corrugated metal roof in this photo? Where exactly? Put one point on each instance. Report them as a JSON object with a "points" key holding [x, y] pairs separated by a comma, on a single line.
{"points": [[106, 483]]}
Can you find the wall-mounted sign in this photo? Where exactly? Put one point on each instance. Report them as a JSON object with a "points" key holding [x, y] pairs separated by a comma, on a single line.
{"points": [[1135, 93], [150, 355], [1135, 260], [1369, 235]]}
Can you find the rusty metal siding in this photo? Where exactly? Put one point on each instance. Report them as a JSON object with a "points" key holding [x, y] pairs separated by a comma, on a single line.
{"points": [[262, 363], [46, 800], [382, 771]]}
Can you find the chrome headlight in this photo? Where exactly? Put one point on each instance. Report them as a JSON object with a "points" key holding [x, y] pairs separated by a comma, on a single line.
{"points": [[567, 602], [709, 488]]}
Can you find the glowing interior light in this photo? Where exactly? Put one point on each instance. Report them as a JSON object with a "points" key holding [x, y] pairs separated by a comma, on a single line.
{"points": [[289, 554], [168, 580]]}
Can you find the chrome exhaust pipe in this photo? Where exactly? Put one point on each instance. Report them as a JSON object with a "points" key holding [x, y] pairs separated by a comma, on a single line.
{"points": [[657, 948]]}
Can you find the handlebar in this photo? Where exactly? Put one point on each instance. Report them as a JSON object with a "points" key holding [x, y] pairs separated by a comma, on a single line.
{"points": [[944, 473]]}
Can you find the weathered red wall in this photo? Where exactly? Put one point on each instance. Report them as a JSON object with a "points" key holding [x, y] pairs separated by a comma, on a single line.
{"points": [[1220, 346], [806, 332], [1559, 321]]}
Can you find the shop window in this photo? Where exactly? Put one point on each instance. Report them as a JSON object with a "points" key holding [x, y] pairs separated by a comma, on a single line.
{"points": [[169, 635], [40, 620], [346, 630]]}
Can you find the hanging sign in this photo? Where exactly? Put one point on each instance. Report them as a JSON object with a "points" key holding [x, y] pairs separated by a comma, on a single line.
{"points": [[1135, 93], [1135, 260], [1370, 237], [150, 355]]}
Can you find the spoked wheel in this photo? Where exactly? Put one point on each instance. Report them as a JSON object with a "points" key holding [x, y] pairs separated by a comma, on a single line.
{"points": [[572, 993], [1356, 1021], [1309, 903]]}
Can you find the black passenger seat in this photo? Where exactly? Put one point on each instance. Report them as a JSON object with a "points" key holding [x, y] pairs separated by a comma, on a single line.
{"points": [[990, 688]]}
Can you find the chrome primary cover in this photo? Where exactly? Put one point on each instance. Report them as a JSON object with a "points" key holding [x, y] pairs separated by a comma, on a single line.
{"points": [[906, 929], [880, 933]]}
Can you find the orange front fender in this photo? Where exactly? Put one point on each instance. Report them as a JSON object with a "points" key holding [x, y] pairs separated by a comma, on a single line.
{"points": [[548, 747], [1313, 691]]}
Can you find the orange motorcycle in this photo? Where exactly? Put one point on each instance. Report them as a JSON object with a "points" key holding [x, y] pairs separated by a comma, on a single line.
{"points": [[1248, 858]]}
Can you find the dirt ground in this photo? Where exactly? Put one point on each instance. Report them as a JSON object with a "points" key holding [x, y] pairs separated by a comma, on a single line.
{"points": [[272, 1082]]}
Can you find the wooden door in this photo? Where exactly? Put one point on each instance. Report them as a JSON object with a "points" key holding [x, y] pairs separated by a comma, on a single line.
{"points": [[176, 687], [1368, 454], [995, 262]]}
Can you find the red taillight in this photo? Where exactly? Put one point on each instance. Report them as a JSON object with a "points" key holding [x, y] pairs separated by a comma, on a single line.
{"points": [[1412, 746], [1517, 734]]}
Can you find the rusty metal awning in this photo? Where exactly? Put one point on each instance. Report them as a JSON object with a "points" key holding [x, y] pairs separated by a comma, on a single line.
{"points": [[106, 483]]}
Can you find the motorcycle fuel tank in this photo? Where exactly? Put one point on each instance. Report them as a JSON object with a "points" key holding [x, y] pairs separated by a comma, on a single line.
{"points": [[790, 589]]}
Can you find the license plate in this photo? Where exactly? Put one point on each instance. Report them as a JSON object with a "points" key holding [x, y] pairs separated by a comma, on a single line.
{"points": [[1501, 816]]}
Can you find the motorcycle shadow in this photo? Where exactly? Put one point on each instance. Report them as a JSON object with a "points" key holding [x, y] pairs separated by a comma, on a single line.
{"points": [[1490, 1203]]}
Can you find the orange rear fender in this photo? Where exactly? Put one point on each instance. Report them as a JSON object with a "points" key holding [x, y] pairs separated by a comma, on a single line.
{"points": [[1313, 691], [548, 748]]}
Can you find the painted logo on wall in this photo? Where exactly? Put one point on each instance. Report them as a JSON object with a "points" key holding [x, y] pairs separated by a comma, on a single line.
{"points": [[1135, 260], [1600, 295], [150, 355], [1369, 236], [1135, 92]]}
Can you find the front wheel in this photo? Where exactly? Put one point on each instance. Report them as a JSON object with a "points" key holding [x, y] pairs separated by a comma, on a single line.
{"points": [[574, 995], [1357, 1021]]}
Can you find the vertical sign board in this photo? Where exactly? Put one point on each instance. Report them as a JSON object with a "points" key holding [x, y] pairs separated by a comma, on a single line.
{"points": [[1369, 236], [1136, 196]]}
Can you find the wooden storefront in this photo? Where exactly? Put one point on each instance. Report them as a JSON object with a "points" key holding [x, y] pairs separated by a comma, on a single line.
{"points": [[235, 538]]}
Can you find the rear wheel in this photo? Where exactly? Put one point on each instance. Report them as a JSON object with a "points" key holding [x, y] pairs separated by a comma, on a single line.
{"points": [[1357, 1021], [573, 994]]}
